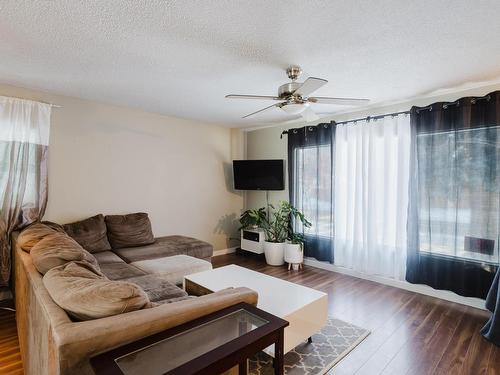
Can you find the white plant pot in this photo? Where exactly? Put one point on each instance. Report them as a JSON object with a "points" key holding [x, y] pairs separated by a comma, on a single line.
{"points": [[274, 253], [293, 253]]}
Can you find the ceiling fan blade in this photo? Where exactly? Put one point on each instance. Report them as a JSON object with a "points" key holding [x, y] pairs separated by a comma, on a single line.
{"points": [[263, 97], [310, 85], [339, 101], [262, 110], [309, 115]]}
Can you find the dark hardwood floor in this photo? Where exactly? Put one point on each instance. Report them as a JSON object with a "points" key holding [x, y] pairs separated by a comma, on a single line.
{"points": [[10, 357], [410, 333]]}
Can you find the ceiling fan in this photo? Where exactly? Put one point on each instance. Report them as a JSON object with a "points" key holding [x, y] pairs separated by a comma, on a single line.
{"points": [[294, 97]]}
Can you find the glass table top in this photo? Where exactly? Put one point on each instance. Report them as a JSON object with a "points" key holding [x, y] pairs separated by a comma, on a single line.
{"points": [[172, 352]]}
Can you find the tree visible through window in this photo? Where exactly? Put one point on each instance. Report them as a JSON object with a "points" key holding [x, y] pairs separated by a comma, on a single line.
{"points": [[460, 190]]}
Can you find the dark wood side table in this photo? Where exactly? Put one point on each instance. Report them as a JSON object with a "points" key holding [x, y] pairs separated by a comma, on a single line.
{"points": [[208, 345]]}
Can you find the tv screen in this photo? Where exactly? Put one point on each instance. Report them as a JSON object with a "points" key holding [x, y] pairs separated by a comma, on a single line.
{"points": [[258, 174]]}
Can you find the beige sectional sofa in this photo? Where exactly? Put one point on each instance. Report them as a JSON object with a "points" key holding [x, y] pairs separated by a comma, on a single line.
{"points": [[54, 342]]}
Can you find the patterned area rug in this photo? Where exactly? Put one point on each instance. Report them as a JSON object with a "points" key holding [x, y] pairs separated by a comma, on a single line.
{"points": [[328, 347]]}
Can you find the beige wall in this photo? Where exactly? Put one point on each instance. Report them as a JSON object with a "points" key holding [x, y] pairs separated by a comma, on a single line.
{"points": [[266, 143], [110, 159]]}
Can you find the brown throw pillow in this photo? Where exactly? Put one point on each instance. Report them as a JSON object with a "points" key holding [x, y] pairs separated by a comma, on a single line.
{"points": [[57, 249], [32, 234], [86, 294], [90, 233], [129, 230]]}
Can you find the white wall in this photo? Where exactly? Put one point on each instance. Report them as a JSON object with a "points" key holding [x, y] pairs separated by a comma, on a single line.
{"points": [[109, 159], [266, 143]]}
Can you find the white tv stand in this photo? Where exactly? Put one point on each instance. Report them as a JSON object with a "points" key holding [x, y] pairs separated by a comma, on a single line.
{"points": [[253, 240]]}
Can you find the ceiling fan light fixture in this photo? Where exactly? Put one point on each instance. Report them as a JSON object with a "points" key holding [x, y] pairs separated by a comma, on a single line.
{"points": [[294, 97], [295, 108]]}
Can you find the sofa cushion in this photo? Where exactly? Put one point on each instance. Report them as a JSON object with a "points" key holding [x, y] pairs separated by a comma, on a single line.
{"points": [[167, 246], [104, 257], [129, 230], [32, 234], [157, 288], [173, 268], [86, 294], [57, 249], [90, 233], [119, 271]]}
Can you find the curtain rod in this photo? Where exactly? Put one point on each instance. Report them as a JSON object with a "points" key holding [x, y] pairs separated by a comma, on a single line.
{"points": [[367, 118], [39, 101], [429, 107]]}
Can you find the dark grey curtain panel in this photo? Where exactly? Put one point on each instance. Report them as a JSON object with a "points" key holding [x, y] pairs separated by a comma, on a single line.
{"points": [[491, 330], [454, 203], [311, 151]]}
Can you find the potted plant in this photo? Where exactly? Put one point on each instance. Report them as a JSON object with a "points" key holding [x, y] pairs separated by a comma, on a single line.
{"points": [[294, 251], [276, 230], [294, 248], [253, 219]]}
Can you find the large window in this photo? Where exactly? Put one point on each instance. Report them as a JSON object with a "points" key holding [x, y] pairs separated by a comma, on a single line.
{"points": [[31, 179], [310, 172], [313, 188], [460, 190], [351, 181], [453, 220]]}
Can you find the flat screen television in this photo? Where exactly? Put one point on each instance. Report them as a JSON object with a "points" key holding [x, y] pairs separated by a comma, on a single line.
{"points": [[258, 174]]}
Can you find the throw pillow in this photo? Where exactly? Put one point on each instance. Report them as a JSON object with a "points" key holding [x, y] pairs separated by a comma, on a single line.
{"points": [[90, 233], [129, 230], [57, 249], [85, 293], [32, 234]]}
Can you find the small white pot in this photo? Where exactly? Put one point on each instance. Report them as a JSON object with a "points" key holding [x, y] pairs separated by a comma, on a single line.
{"points": [[274, 253], [293, 253]]}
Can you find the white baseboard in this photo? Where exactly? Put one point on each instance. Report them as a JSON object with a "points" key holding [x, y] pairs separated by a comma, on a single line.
{"points": [[224, 251], [417, 288]]}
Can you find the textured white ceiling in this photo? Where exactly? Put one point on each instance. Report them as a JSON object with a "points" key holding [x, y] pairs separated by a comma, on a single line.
{"points": [[182, 57]]}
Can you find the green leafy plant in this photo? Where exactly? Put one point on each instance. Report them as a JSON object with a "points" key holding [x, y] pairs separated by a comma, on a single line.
{"points": [[276, 226], [279, 226], [253, 218], [294, 216]]}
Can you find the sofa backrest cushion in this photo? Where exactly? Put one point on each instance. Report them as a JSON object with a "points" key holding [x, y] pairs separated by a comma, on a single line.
{"points": [[85, 293], [57, 249], [129, 230], [32, 234], [90, 233]]}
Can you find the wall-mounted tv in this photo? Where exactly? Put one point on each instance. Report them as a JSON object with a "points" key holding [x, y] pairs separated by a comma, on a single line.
{"points": [[258, 174]]}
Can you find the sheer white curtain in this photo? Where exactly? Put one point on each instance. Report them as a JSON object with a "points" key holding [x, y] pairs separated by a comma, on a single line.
{"points": [[24, 139], [371, 195]]}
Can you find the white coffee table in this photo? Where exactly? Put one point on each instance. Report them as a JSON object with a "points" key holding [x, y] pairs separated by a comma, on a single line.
{"points": [[304, 308]]}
